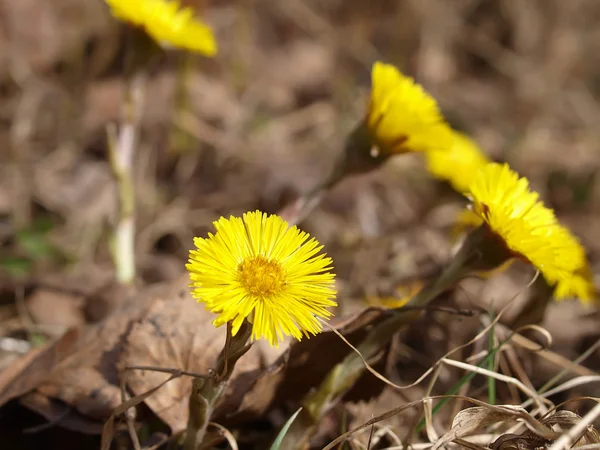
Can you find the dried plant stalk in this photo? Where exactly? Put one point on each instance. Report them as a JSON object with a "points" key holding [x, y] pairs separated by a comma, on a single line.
{"points": [[121, 147], [207, 392]]}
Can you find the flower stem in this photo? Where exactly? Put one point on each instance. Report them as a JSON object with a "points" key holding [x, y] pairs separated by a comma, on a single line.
{"points": [[343, 376], [121, 148], [354, 160], [206, 392]]}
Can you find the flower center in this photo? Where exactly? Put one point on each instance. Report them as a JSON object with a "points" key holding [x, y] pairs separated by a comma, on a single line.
{"points": [[261, 277]]}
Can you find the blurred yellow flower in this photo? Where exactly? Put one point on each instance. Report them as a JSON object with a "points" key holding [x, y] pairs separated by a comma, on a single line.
{"points": [[258, 269], [580, 285], [528, 229], [402, 117], [404, 294], [466, 221], [459, 164], [167, 23]]}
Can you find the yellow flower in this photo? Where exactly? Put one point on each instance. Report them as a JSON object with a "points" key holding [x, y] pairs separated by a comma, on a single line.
{"points": [[259, 269], [404, 294], [527, 228], [402, 117], [459, 164], [580, 285], [167, 23]]}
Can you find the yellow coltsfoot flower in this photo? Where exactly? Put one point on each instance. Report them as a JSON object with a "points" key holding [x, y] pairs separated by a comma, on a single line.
{"points": [[459, 164], [580, 285], [257, 268], [167, 23], [402, 117], [527, 229]]}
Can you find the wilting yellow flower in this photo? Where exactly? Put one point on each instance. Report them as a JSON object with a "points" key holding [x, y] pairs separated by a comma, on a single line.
{"points": [[459, 164], [259, 269], [527, 228], [402, 117], [167, 23]]}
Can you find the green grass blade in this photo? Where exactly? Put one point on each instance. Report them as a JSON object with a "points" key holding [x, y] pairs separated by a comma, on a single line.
{"points": [[279, 439], [467, 377]]}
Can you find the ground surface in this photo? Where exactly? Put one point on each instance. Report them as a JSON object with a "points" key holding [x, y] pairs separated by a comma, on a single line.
{"points": [[254, 128]]}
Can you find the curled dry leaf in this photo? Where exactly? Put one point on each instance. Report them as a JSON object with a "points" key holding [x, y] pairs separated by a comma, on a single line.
{"points": [[471, 419], [557, 422], [563, 420]]}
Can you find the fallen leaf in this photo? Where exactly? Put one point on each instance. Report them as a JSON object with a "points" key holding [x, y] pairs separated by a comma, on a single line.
{"points": [[163, 326], [88, 379], [177, 333], [557, 423], [29, 371], [59, 309], [566, 419], [471, 419], [60, 414]]}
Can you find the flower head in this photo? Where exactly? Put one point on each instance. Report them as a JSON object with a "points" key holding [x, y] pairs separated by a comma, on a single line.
{"points": [[528, 229], [580, 285], [167, 23], [459, 164], [402, 117], [259, 269]]}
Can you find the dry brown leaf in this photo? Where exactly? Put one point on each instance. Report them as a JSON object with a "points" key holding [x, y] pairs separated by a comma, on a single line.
{"points": [[108, 431], [178, 333], [471, 419], [27, 372], [558, 422], [164, 327], [87, 379], [60, 414], [566, 419], [60, 309]]}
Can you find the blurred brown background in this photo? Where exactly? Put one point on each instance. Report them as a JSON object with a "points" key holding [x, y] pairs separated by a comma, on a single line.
{"points": [[263, 121]]}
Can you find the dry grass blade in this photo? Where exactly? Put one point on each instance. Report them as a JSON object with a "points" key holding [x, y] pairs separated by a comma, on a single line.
{"points": [[481, 371], [109, 427], [381, 377], [548, 355], [229, 437], [517, 413], [566, 386], [427, 409]]}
